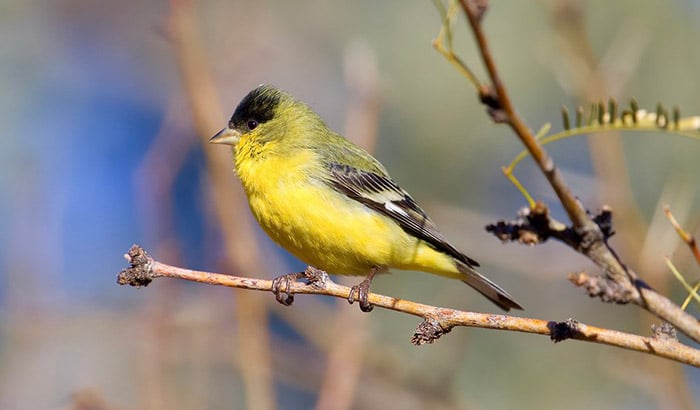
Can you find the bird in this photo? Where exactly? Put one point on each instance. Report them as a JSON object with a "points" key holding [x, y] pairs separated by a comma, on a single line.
{"points": [[333, 205]]}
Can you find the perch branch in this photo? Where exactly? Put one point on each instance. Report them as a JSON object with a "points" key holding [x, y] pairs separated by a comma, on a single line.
{"points": [[436, 320]]}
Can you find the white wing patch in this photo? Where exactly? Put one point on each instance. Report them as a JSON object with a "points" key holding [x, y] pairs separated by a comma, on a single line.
{"points": [[391, 207]]}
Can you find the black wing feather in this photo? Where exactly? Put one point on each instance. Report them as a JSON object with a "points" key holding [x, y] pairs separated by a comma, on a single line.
{"points": [[383, 195]]}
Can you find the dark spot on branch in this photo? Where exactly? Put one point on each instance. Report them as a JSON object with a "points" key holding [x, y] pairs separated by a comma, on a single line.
{"points": [[428, 331], [559, 331], [604, 220], [488, 97], [140, 272]]}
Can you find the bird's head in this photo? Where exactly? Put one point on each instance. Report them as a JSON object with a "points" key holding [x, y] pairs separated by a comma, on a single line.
{"points": [[266, 114]]}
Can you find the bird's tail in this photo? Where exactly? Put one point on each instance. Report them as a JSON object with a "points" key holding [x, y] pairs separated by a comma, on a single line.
{"points": [[487, 288]]}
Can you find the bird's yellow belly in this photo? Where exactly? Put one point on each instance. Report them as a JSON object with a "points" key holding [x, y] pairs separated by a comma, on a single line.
{"points": [[327, 230]]}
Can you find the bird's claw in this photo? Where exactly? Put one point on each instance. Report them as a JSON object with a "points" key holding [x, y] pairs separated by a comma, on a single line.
{"points": [[362, 291], [281, 287]]}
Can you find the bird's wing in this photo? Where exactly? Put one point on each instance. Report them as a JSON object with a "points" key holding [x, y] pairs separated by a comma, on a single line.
{"points": [[383, 195]]}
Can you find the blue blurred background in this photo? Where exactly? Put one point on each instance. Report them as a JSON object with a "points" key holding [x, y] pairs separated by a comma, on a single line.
{"points": [[104, 147]]}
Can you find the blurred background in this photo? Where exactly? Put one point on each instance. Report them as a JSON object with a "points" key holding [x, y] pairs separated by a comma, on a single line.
{"points": [[105, 113]]}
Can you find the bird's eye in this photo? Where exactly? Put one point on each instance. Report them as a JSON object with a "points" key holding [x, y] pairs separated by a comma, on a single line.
{"points": [[252, 124]]}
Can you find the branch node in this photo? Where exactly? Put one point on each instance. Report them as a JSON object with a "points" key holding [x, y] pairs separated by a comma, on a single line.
{"points": [[140, 270], [479, 8], [316, 278], [531, 227], [606, 289], [428, 331], [664, 331], [563, 330], [489, 97]]}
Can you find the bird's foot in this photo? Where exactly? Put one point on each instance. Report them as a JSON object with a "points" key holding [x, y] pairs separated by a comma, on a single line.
{"points": [[362, 291], [281, 287]]}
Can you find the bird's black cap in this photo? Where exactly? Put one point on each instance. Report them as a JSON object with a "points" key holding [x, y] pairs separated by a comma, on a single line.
{"points": [[258, 105]]}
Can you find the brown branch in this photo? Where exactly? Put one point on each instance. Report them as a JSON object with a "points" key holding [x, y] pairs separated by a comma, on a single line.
{"points": [[590, 240], [502, 110], [436, 320]]}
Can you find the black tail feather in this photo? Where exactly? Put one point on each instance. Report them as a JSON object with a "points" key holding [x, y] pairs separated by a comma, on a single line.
{"points": [[486, 287]]}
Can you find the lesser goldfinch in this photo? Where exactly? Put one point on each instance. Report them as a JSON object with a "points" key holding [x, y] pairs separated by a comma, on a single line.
{"points": [[330, 203]]}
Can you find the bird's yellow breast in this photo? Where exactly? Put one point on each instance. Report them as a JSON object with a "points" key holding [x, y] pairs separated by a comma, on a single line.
{"points": [[323, 227], [311, 220]]}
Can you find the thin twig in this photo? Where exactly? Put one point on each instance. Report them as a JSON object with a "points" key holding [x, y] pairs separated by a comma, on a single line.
{"points": [[436, 320], [687, 237], [443, 43]]}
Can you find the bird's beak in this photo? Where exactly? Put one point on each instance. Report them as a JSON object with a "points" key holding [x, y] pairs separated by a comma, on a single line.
{"points": [[226, 136]]}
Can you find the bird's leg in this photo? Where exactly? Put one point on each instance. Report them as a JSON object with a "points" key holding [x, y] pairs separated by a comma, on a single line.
{"points": [[362, 291], [282, 284]]}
